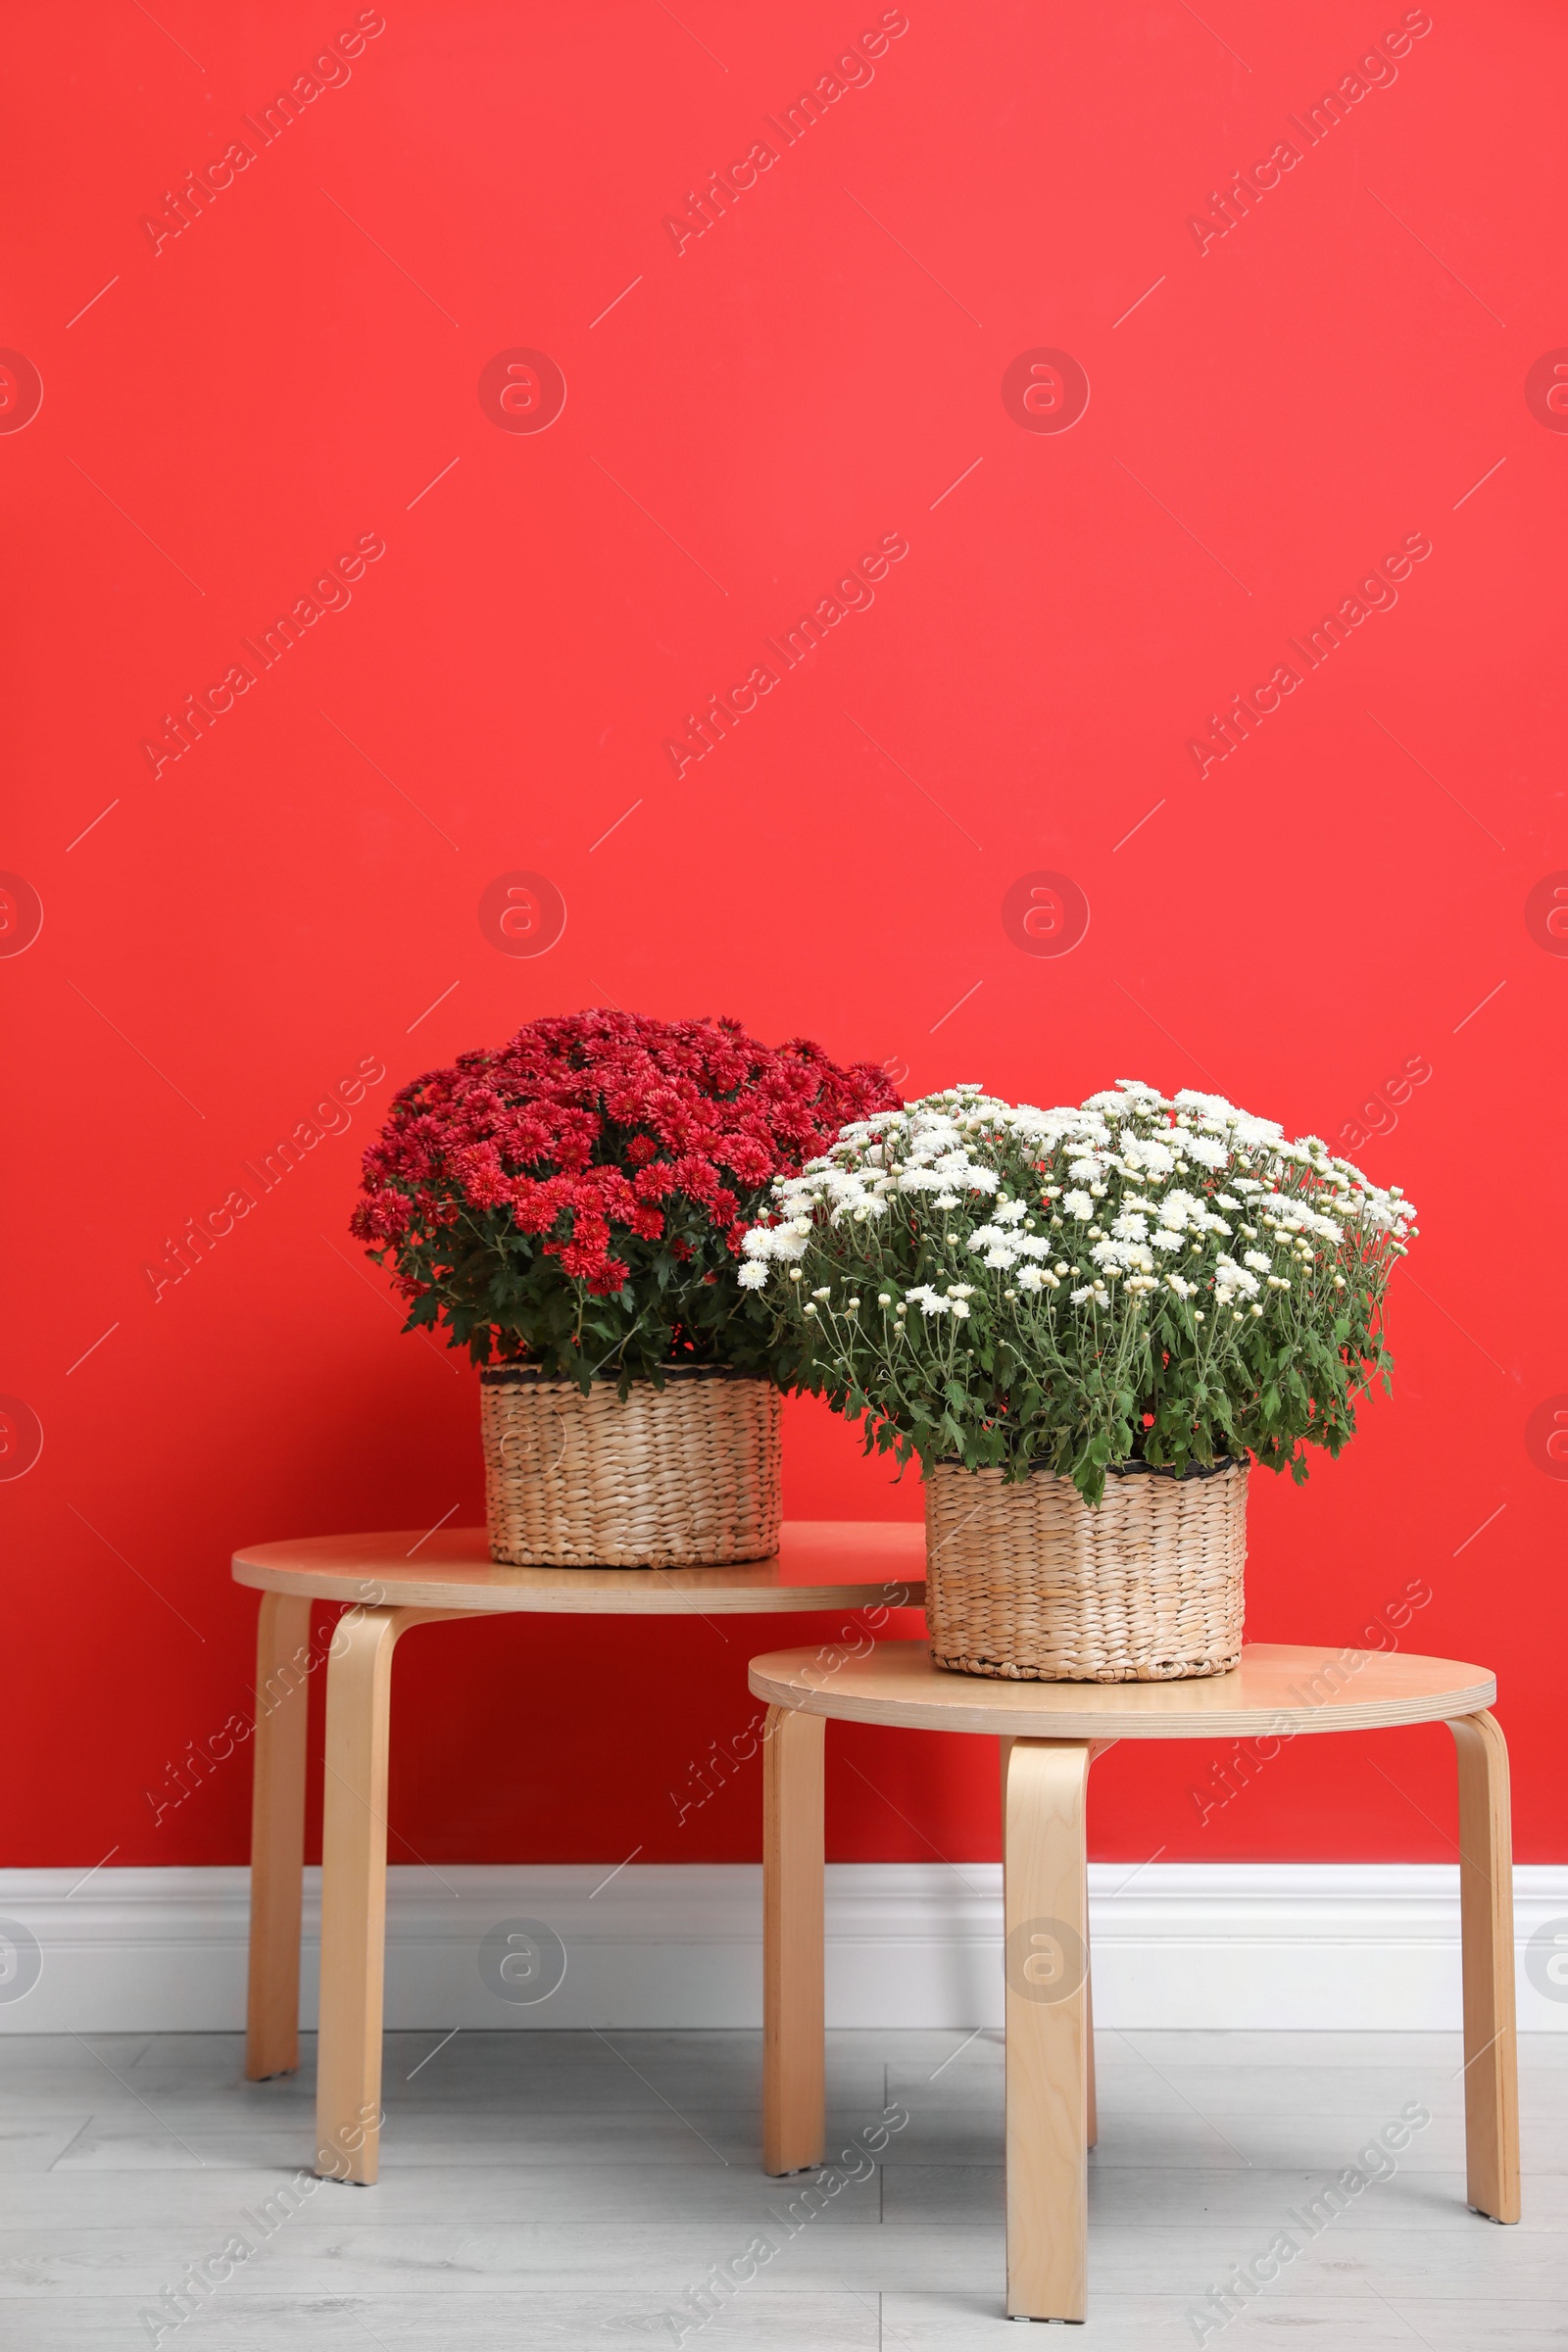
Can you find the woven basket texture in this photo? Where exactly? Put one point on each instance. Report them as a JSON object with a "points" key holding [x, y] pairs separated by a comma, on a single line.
{"points": [[682, 1477], [1025, 1582]]}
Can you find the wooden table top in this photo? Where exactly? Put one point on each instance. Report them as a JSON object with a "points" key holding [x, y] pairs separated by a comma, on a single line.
{"points": [[819, 1564], [1276, 1688]]}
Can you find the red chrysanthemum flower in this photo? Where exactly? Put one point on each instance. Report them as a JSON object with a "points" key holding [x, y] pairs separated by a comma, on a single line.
{"points": [[568, 1194]]}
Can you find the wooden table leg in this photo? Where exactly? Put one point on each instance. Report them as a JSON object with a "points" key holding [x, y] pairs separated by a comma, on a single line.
{"points": [[277, 1835], [792, 2099], [1091, 2104], [1098, 1747], [1485, 1909], [1047, 1916], [348, 2094], [1092, 2126]]}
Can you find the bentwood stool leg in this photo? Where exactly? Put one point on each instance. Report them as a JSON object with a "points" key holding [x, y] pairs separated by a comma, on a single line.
{"points": [[1089, 2007], [1092, 2124], [1047, 1916], [277, 1835], [793, 2124], [1091, 2105], [1486, 1907], [1097, 1748], [348, 2068]]}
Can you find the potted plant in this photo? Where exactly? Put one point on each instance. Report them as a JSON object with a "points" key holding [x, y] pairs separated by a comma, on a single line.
{"points": [[1086, 1323], [569, 1207]]}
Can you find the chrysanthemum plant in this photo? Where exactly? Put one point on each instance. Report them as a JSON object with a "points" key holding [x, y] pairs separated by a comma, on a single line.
{"points": [[576, 1200], [1168, 1280]]}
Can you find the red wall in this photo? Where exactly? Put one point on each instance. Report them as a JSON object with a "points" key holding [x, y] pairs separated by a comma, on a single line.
{"points": [[1359, 892]]}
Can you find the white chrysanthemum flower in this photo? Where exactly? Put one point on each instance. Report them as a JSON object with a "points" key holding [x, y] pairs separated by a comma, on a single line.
{"points": [[1154, 1188], [1116, 1256], [1178, 1205], [1209, 1151]]}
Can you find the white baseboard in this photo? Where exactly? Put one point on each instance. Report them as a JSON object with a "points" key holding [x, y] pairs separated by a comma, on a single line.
{"points": [[1350, 1946]]}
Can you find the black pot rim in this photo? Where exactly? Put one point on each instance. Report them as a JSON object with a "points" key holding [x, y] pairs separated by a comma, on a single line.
{"points": [[521, 1376], [1136, 1468], [1130, 1469]]}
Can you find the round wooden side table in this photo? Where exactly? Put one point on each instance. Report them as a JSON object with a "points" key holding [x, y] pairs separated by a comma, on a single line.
{"points": [[1050, 1733], [392, 1582]]}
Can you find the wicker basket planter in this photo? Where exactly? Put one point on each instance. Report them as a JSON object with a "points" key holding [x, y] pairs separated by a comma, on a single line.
{"points": [[682, 1477], [1025, 1582]]}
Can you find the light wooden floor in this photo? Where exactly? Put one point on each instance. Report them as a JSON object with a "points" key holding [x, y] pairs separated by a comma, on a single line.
{"points": [[566, 2190]]}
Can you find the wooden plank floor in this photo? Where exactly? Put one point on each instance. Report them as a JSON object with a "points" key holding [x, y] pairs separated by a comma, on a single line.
{"points": [[575, 2190]]}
